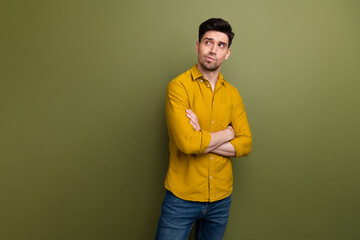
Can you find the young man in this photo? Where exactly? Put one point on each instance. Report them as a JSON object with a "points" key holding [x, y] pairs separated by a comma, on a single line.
{"points": [[207, 125]]}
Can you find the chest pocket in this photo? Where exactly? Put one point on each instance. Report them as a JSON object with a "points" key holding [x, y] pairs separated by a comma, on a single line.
{"points": [[227, 111]]}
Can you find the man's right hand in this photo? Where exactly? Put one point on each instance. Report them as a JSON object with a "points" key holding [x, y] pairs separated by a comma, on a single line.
{"points": [[193, 119]]}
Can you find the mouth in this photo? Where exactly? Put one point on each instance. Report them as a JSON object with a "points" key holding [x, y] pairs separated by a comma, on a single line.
{"points": [[210, 58]]}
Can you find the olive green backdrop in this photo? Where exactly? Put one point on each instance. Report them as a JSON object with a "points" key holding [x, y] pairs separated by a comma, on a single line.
{"points": [[83, 135]]}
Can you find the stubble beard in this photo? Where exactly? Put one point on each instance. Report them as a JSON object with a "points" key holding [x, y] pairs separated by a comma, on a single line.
{"points": [[209, 66]]}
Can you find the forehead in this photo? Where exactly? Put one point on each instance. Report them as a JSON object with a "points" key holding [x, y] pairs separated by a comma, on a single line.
{"points": [[217, 36]]}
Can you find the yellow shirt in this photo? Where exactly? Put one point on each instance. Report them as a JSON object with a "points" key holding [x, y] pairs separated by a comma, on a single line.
{"points": [[193, 175]]}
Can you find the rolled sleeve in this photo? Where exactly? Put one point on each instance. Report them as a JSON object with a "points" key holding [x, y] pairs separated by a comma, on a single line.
{"points": [[243, 138], [186, 138], [206, 137]]}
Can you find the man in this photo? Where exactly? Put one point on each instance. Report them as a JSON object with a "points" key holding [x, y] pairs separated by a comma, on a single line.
{"points": [[207, 125]]}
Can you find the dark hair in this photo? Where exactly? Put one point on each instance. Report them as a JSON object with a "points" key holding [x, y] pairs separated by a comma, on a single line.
{"points": [[216, 24]]}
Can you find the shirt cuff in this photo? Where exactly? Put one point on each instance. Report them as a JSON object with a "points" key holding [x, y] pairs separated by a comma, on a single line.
{"points": [[205, 141], [238, 147]]}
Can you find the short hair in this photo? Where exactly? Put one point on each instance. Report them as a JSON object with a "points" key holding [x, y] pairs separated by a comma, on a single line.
{"points": [[216, 24]]}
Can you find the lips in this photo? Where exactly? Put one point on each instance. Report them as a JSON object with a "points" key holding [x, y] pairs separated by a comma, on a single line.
{"points": [[210, 58]]}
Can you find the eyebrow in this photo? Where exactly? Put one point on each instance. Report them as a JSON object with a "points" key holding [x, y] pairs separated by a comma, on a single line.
{"points": [[213, 39], [224, 43]]}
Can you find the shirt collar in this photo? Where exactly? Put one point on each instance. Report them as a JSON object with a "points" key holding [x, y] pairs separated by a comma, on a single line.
{"points": [[196, 74]]}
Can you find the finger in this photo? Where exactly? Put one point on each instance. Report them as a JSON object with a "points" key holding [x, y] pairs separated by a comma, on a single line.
{"points": [[193, 124], [193, 114], [189, 111], [189, 116]]}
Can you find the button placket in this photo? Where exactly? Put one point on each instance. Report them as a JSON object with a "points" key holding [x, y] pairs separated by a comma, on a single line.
{"points": [[211, 172]]}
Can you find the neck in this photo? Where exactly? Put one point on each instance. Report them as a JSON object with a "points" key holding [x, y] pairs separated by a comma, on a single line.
{"points": [[211, 76]]}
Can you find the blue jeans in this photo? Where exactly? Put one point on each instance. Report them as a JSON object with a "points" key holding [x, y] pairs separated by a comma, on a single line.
{"points": [[177, 217]]}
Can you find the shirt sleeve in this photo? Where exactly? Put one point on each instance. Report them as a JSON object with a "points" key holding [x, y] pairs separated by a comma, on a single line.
{"points": [[243, 138], [186, 138]]}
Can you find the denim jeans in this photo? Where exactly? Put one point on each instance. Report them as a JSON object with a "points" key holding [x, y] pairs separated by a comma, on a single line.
{"points": [[177, 218]]}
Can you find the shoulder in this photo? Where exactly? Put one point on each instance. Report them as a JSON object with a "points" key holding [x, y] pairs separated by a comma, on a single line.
{"points": [[184, 80], [233, 92], [230, 88]]}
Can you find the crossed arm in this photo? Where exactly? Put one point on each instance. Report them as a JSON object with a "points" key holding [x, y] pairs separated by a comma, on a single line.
{"points": [[235, 140], [220, 141]]}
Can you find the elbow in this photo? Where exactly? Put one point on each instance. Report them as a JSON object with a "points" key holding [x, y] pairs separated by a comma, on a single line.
{"points": [[247, 151], [186, 147], [189, 143], [247, 147], [243, 148], [188, 150]]}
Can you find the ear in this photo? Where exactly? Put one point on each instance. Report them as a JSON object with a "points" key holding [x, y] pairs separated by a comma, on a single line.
{"points": [[228, 53], [197, 47]]}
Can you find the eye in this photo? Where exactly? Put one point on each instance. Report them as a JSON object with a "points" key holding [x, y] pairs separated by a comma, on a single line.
{"points": [[221, 45]]}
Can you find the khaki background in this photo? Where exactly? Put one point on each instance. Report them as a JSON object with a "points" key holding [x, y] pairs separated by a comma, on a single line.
{"points": [[82, 127]]}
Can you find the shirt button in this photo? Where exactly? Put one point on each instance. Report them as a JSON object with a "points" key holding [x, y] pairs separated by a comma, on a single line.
{"points": [[200, 80], [213, 102], [212, 121], [210, 177], [208, 85], [211, 157]]}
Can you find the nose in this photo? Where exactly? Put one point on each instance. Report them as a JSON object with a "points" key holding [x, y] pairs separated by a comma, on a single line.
{"points": [[213, 48]]}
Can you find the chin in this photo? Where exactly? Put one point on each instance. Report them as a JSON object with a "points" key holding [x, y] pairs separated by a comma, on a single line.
{"points": [[211, 67]]}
